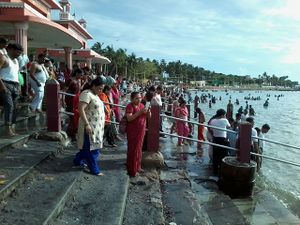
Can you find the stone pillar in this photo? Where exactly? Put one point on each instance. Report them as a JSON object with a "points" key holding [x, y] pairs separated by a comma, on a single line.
{"points": [[99, 69], [21, 35], [89, 62], [68, 57], [53, 106], [153, 129], [244, 142]]}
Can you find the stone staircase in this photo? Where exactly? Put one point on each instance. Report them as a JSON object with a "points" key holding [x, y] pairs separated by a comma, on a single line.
{"points": [[41, 186], [27, 124]]}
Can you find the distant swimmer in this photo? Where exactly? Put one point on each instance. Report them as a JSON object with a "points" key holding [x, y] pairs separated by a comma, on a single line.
{"points": [[229, 111], [251, 111], [241, 110], [266, 104]]}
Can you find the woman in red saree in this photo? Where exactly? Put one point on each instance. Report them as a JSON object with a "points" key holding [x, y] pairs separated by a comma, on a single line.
{"points": [[136, 125]]}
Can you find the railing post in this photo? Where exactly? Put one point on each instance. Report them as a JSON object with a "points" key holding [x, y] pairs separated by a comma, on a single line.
{"points": [[53, 106], [153, 129], [188, 106], [244, 142]]}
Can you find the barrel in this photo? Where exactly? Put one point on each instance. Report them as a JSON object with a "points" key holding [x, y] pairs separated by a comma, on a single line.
{"points": [[237, 179]]}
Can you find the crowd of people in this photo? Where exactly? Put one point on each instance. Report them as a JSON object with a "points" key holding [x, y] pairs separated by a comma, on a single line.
{"points": [[93, 100], [226, 120]]}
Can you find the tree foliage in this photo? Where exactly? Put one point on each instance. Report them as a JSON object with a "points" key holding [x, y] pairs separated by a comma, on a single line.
{"points": [[134, 67]]}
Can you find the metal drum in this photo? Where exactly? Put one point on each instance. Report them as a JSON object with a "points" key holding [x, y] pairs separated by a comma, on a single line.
{"points": [[237, 179]]}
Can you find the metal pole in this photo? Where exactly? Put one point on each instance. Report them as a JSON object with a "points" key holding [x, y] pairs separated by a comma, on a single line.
{"points": [[278, 160], [72, 95], [277, 142]]}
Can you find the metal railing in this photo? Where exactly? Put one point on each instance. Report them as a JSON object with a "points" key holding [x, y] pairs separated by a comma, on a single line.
{"points": [[69, 94], [66, 93], [202, 124], [206, 142], [72, 114], [230, 148], [231, 131]]}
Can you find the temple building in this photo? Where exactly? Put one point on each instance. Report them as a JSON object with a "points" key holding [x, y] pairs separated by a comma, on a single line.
{"points": [[29, 23]]}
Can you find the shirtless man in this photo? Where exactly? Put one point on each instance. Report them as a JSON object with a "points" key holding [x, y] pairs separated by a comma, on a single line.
{"points": [[9, 85], [38, 78]]}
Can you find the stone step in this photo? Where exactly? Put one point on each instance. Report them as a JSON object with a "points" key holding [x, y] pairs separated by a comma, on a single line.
{"points": [[45, 185], [32, 122], [17, 163], [98, 200], [23, 109], [38, 182]]}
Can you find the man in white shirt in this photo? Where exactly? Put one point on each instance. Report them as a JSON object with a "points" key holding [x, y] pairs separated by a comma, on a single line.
{"points": [[264, 129], [219, 137], [156, 100], [9, 85], [38, 78]]}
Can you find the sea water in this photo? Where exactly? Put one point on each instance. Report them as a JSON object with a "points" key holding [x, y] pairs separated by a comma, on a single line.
{"points": [[283, 116]]}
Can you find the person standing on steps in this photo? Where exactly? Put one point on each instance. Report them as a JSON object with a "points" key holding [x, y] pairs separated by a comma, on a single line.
{"points": [[38, 78], [90, 126], [9, 85]]}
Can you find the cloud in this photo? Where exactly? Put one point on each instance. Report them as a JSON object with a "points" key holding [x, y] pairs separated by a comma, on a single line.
{"points": [[233, 36], [289, 9], [293, 55]]}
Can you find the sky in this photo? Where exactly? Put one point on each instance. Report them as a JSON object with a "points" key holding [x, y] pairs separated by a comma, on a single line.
{"points": [[240, 37]]}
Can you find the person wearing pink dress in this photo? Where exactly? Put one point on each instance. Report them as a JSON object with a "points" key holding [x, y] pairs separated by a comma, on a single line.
{"points": [[181, 126], [136, 126], [115, 97]]}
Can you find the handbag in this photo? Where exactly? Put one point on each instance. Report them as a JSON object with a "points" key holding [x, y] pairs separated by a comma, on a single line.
{"points": [[123, 125]]}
